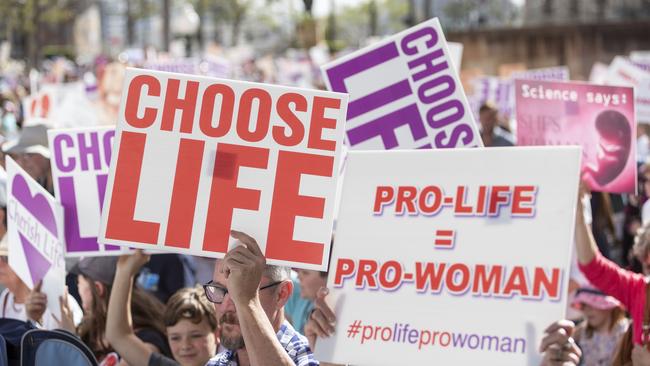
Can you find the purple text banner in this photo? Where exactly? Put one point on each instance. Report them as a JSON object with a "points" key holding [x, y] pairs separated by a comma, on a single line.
{"points": [[404, 93], [80, 161]]}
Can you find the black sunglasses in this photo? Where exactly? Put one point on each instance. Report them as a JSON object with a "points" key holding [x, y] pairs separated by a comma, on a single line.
{"points": [[216, 293]]}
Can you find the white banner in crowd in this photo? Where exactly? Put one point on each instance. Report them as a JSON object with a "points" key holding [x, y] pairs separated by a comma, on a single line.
{"points": [[500, 92], [598, 73], [404, 93], [622, 72], [640, 56], [35, 228], [67, 105], [195, 157], [41, 104], [210, 66], [80, 161], [447, 265], [77, 106]]}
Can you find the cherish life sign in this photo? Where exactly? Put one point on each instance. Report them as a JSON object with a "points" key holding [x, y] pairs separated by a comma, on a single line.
{"points": [[195, 157]]}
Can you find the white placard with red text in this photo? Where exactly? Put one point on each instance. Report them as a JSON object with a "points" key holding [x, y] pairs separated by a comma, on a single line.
{"points": [[195, 157], [464, 262], [41, 104]]}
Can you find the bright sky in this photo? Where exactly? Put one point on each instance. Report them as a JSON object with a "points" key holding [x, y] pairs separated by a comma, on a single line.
{"points": [[322, 7]]}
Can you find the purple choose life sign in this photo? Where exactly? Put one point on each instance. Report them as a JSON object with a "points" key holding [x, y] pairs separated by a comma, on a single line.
{"points": [[404, 93], [80, 161]]}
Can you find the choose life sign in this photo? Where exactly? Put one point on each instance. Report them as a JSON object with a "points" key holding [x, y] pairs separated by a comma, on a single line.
{"points": [[195, 157], [80, 161], [463, 268], [404, 93]]}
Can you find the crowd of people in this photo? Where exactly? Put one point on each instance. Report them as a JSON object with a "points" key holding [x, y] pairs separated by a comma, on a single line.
{"points": [[170, 309]]}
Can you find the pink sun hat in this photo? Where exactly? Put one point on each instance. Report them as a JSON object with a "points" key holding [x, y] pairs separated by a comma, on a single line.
{"points": [[594, 298]]}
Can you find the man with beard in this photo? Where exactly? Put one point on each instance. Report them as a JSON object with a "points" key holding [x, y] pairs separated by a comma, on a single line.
{"points": [[249, 298]]}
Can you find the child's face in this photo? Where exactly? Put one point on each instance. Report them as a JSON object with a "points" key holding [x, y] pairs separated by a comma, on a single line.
{"points": [[192, 344], [310, 283], [595, 317]]}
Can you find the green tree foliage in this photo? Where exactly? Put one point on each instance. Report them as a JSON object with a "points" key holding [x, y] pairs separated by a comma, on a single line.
{"points": [[354, 24], [33, 18]]}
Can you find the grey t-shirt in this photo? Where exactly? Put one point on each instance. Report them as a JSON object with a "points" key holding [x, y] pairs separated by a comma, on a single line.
{"points": [[156, 359]]}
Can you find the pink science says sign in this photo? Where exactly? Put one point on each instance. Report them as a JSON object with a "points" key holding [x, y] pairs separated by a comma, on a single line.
{"points": [[600, 118]]}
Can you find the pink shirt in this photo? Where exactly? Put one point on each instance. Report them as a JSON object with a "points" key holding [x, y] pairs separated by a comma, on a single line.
{"points": [[628, 287]]}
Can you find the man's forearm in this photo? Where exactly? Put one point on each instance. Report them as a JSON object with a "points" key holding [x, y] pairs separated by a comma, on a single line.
{"points": [[262, 344]]}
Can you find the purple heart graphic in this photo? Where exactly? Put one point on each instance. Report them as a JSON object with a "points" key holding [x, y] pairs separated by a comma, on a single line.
{"points": [[38, 206], [38, 264]]}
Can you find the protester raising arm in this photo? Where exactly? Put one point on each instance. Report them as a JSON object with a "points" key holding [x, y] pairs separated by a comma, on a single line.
{"points": [[628, 287], [119, 325], [243, 267], [586, 247]]}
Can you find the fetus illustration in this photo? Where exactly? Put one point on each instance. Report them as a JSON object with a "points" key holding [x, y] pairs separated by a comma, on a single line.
{"points": [[614, 146]]}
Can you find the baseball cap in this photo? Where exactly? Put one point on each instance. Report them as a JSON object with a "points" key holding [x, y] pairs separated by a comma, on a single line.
{"points": [[100, 269], [595, 299], [32, 140]]}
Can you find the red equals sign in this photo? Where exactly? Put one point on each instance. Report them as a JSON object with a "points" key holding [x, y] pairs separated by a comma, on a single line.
{"points": [[444, 239]]}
